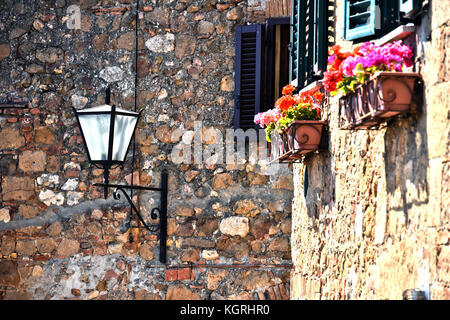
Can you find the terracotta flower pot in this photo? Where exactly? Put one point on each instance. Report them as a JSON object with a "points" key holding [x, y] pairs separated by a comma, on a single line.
{"points": [[304, 136], [299, 138], [385, 95], [392, 93]]}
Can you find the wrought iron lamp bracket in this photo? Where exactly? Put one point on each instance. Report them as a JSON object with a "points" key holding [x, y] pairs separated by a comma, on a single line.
{"points": [[159, 213]]}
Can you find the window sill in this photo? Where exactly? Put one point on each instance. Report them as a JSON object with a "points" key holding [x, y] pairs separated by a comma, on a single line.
{"points": [[398, 34], [316, 85]]}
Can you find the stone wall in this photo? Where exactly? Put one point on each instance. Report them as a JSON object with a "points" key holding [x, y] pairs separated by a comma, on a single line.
{"points": [[375, 219], [228, 226]]}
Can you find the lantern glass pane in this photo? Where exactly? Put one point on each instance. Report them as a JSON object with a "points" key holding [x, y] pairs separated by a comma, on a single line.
{"points": [[123, 132], [95, 129]]}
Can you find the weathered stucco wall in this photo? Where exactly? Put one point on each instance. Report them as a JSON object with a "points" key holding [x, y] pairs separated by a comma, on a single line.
{"points": [[59, 238], [375, 220]]}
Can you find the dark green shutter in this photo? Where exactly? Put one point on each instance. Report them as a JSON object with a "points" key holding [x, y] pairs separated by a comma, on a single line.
{"points": [[361, 18], [320, 40], [309, 41], [294, 46]]}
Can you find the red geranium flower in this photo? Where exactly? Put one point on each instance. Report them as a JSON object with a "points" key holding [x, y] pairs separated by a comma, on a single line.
{"points": [[288, 89], [285, 102], [331, 79]]}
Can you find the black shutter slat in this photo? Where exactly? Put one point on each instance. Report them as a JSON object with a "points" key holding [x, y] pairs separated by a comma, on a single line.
{"points": [[248, 74]]}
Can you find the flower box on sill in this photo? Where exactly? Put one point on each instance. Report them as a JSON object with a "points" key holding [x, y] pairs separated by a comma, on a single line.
{"points": [[382, 97], [301, 137]]}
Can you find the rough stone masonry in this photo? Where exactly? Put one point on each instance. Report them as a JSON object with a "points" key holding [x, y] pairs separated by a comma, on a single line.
{"points": [[59, 238], [375, 220]]}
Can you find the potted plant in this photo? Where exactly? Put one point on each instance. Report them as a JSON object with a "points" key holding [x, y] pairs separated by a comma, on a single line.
{"points": [[293, 126], [375, 82]]}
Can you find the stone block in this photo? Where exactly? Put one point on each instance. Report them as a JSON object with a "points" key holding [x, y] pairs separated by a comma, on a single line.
{"points": [[285, 182], [17, 188], [280, 244], [227, 84], [437, 120], [46, 245], [440, 12], [127, 41], [205, 27], [146, 251], [214, 277], [26, 247], [181, 292], [159, 16], [234, 14], [183, 211], [443, 265], [161, 43], [51, 198], [434, 213], [210, 255], [234, 226], [32, 161], [112, 74], [206, 226], [255, 280], [8, 246], [260, 228], [4, 215], [67, 247], [5, 51], [246, 207], [9, 275], [235, 247], [11, 138], [222, 181], [184, 46]]}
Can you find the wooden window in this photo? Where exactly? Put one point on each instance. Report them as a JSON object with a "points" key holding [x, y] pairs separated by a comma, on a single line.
{"points": [[248, 74], [277, 61], [309, 41], [409, 8], [261, 68], [368, 19], [361, 18]]}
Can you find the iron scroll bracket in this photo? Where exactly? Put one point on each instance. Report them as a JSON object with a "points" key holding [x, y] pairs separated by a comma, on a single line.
{"points": [[156, 213]]}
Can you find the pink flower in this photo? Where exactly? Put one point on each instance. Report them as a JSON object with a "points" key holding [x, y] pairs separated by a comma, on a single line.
{"points": [[349, 65], [268, 117]]}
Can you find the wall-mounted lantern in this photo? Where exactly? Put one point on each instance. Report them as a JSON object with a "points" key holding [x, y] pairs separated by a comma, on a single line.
{"points": [[107, 133]]}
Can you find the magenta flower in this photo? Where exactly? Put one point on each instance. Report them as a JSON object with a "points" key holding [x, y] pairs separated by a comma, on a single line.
{"points": [[349, 65]]}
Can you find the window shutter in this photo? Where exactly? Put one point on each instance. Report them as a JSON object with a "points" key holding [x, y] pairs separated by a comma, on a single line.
{"points": [[409, 7], [248, 74], [320, 39], [361, 18], [294, 45], [309, 40]]}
